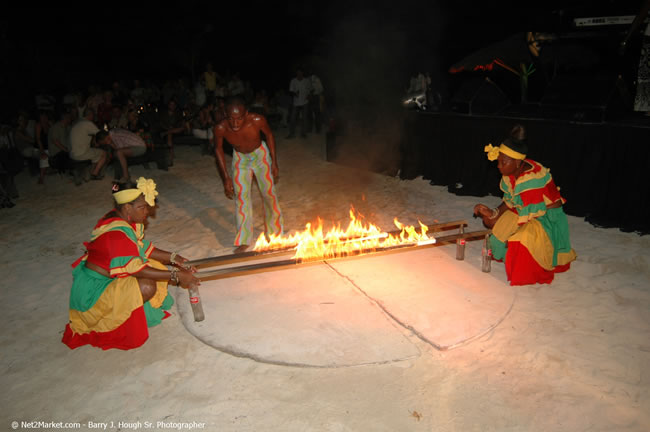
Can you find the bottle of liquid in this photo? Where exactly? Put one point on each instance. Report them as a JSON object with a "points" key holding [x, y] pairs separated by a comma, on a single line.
{"points": [[195, 302], [460, 245], [486, 255]]}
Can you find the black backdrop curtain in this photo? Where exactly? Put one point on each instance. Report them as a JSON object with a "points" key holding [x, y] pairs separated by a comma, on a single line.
{"points": [[601, 168]]}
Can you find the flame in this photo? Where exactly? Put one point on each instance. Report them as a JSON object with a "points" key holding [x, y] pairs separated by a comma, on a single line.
{"points": [[314, 243]]}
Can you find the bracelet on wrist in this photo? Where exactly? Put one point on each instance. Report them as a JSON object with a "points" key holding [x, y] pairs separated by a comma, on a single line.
{"points": [[495, 213], [173, 278], [172, 257]]}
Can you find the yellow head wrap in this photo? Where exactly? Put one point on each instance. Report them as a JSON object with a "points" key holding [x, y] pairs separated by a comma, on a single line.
{"points": [[146, 187], [493, 152]]}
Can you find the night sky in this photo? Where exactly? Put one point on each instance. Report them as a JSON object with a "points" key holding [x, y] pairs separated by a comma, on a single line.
{"points": [[374, 44]]}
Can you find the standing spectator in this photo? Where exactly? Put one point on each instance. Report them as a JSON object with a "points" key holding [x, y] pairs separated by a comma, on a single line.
{"points": [[152, 93], [24, 135], [300, 89], [222, 89], [82, 144], [316, 102], [171, 123], [138, 93], [168, 91], [236, 86], [58, 140], [78, 106], [45, 102], [120, 94], [183, 94], [11, 163], [209, 79], [105, 109], [69, 99], [95, 97], [200, 93], [248, 93], [42, 129]]}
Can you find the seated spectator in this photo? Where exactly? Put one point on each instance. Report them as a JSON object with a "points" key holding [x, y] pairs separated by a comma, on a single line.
{"points": [[82, 144], [282, 101], [118, 118], [58, 140], [260, 103], [126, 145], [203, 122], [133, 121], [140, 127], [190, 112], [220, 111]]}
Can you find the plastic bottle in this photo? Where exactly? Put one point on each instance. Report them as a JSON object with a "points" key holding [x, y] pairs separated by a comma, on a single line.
{"points": [[460, 245], [486, 255], [195, 302]]}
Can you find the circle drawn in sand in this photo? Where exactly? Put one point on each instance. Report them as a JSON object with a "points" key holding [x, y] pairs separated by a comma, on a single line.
{"points": [[349, 312]]}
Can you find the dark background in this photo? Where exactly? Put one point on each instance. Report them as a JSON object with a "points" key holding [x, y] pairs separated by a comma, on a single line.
{"points": [[365, 51]]}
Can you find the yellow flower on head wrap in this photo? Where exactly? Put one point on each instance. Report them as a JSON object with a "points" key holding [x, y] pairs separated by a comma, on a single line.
{"points": [[148, 189], [492, 152]]}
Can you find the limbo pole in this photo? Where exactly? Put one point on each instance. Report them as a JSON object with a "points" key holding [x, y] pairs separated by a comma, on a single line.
{"points": [[288, 263], [254, 255]]}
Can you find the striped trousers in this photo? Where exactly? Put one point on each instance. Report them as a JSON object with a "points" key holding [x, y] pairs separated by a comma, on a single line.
{"points": [[244, 166]]}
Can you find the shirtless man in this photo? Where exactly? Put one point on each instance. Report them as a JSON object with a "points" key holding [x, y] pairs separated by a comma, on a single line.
{"points": [[251, 156]]}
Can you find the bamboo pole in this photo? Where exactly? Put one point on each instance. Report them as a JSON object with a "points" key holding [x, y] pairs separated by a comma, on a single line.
{"points": [[288, 263], [254, 255]]}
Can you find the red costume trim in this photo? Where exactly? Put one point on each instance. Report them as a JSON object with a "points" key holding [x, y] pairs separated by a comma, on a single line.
{"points": [[132, 333]]}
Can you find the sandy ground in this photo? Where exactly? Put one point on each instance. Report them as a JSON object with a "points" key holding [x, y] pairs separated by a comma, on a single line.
{"points": [[572, 356]]}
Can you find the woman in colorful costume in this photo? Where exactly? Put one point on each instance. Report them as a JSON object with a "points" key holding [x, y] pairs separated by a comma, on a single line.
{"points": [[530, 230], [119, 285]]}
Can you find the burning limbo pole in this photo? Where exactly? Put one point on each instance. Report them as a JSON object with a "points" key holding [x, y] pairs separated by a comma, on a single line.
{"points": [[288, 263], [290, 250]]}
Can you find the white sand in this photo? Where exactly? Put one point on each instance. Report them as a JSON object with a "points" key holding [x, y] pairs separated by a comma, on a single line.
{"points": [[571, 356]]}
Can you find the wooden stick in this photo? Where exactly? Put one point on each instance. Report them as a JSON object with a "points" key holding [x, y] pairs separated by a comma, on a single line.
{"points": [[284, 264], [253, 255]]}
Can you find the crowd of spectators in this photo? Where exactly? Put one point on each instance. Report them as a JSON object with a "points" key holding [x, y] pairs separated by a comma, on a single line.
{"points": [[60, 134]]}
